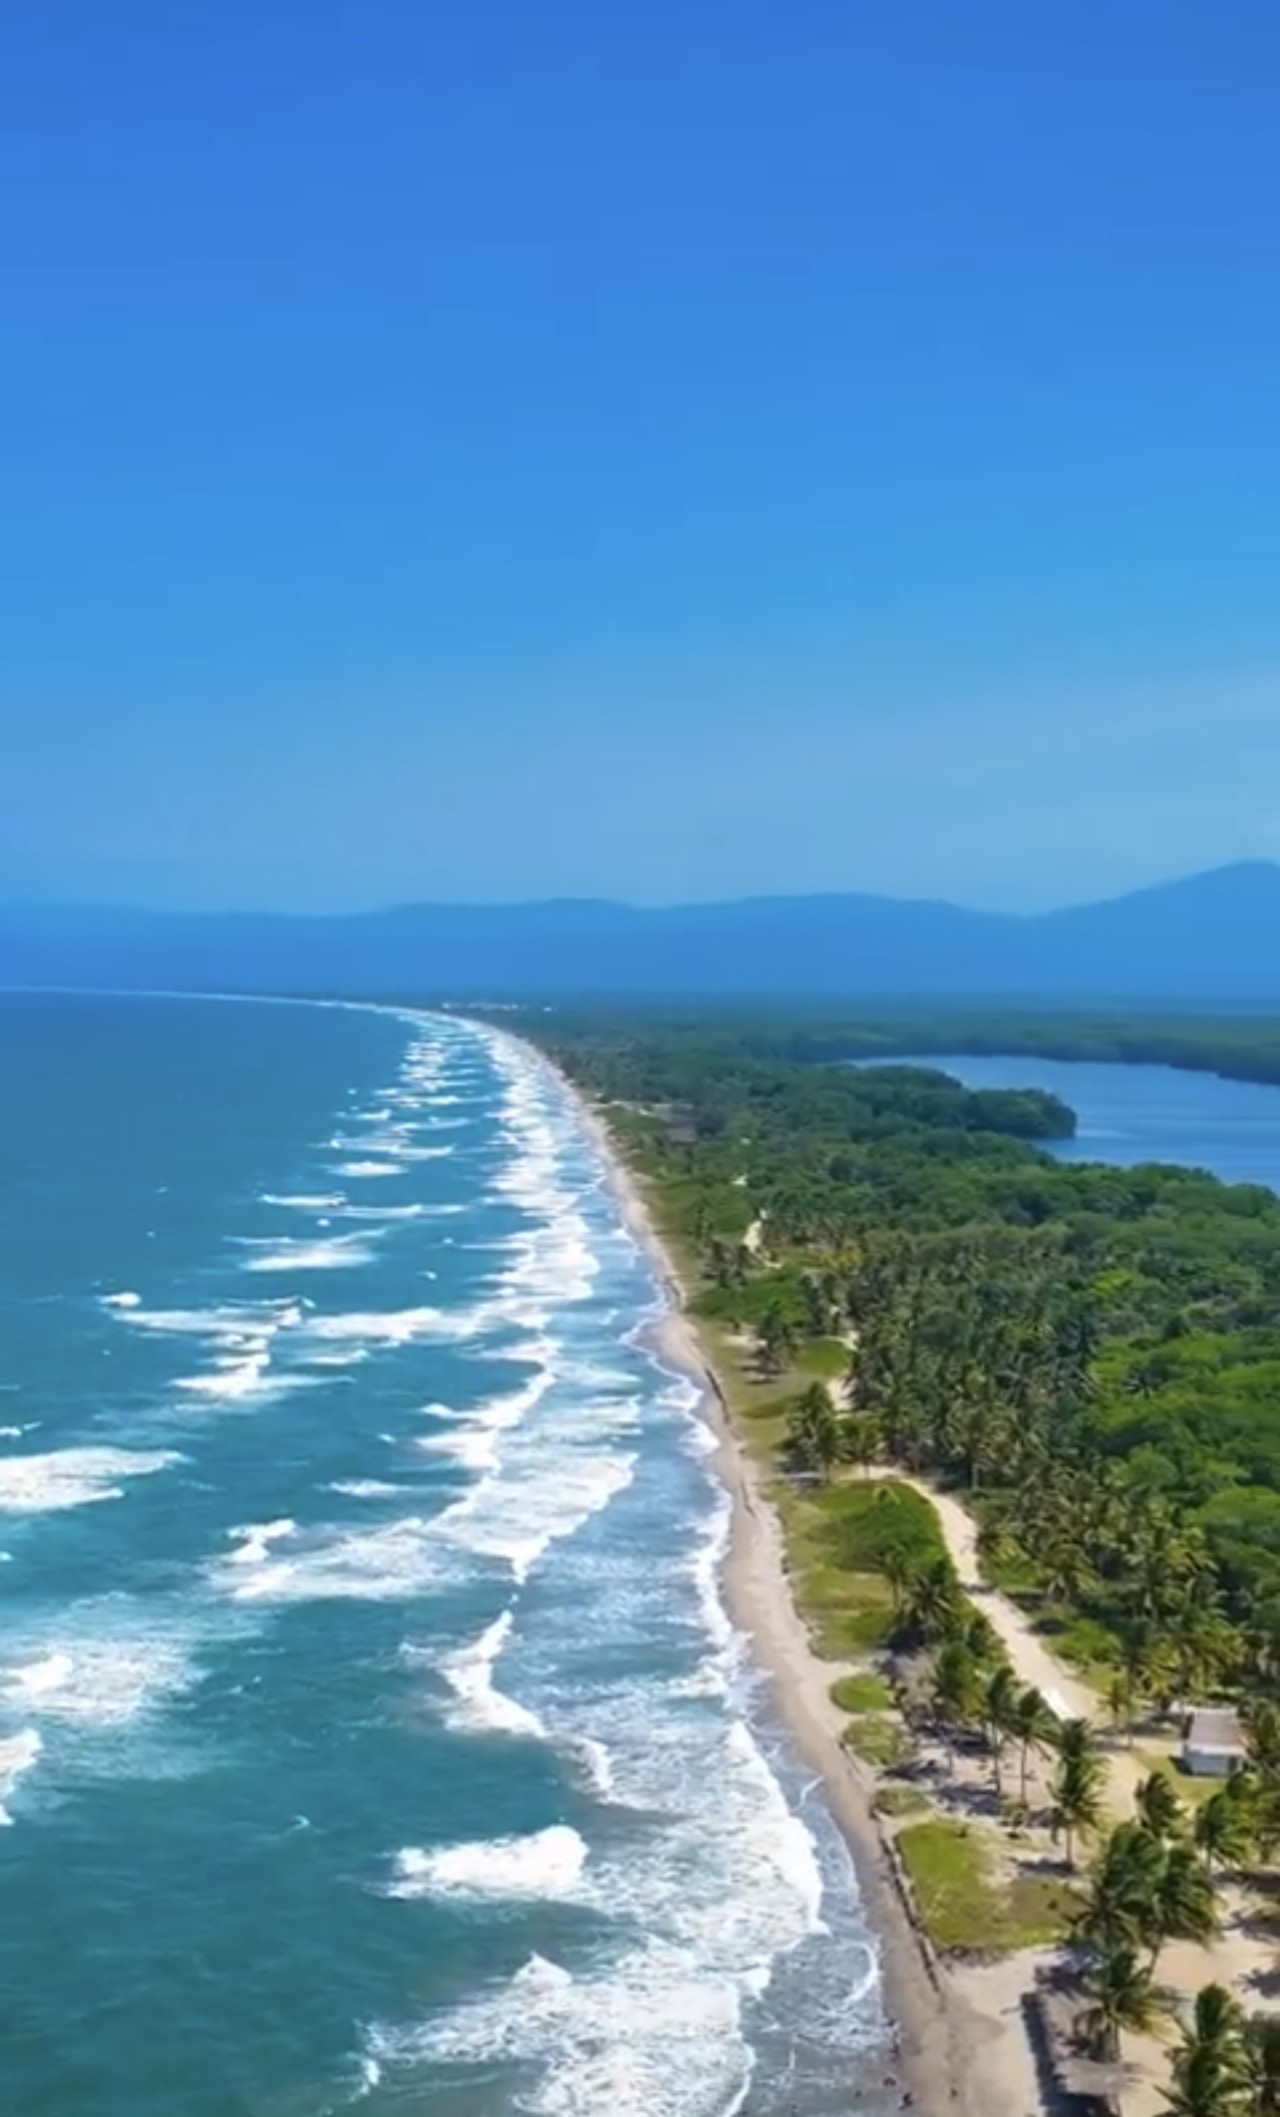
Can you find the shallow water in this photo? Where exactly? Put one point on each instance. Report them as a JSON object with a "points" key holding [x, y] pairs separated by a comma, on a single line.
{"points": [[371, 1731], [1130, 1114]]}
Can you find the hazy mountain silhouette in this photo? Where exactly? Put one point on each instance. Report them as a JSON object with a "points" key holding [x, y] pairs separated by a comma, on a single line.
{"points": [[1211, 937]]}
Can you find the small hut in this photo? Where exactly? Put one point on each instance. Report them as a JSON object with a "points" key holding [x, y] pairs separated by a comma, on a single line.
{"points": [[1212, 1744]]}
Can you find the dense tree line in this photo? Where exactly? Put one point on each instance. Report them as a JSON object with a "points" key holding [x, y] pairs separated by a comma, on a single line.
{"points": [[1239, 1047], [1093, 1352]]}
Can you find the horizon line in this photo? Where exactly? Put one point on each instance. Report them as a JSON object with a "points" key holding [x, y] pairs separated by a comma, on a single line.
{"points": [[64, 907]]}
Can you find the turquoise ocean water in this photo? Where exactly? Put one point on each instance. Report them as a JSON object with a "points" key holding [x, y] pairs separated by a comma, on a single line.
{"points": [[371, 1732]]}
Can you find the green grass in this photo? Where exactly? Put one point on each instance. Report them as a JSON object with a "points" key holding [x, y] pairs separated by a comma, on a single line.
{"points": [[864, 1524], [850, 1613], [863, 1692], [837, 1537], [965, 1905], [877, 1741], [827, 1358], [1089, 1646], [1191, 1792], [838, 1540], [900, 1801]]}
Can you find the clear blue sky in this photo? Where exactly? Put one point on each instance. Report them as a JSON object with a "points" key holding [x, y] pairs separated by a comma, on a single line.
{"points": [[652, 448]]}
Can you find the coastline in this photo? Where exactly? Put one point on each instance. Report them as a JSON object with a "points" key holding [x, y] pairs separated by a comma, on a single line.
{"points": [[952, 2052]]}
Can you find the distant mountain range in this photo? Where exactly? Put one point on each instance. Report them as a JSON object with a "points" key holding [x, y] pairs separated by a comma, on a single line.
{"points": [[1210, 938]]}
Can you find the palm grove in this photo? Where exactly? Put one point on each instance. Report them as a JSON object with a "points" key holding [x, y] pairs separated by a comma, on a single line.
{"points": [[1091, 1353]]}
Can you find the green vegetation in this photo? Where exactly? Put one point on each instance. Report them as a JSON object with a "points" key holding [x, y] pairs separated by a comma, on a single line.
{"points": [[901, 1801], [1092, 1353], [965, 1905], [853, 1548], [877, 1741], [1091, 1356], [1239, 1047], [864, 1692]]}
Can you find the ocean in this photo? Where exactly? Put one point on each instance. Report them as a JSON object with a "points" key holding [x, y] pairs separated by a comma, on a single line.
{"points": [[372, 1734]]}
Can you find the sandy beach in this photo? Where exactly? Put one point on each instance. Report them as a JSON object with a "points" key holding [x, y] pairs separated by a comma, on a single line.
{"points": [[961, 2043]]}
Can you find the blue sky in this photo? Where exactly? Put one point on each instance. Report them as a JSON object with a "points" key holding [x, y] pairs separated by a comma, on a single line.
{"points": [[478, 449]]}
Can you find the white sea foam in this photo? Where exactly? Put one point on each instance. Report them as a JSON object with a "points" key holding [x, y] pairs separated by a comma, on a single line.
{"points": [[475, 1437], [102, 1664], [397, 1326], [343, 1211], [393, 1144], [123, 1300], [546, 1863], [275, 1562], [366, 1488], [645, 2038], [366, 1168], [36, 1679], [332, 1254], [315, 1202], [477, 1704], [17, 1755], [251, 1379], [74, 1477], [225, 1323], [242, 1367], [520, 1508], [88, 1682], [475, 1447], [252, 1544]]}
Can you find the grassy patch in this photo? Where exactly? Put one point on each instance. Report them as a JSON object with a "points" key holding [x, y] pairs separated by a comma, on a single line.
{"points": [[1190, 1791], [827, 1358], [863, 1692], [850, 1613], [900, 1801], [877, 1741], [965, 1905], [1088, 1646], [866, 1525], [839, 1538]]}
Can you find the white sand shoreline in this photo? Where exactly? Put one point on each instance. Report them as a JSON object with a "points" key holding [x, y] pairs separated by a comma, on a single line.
{"points": [[950, 2054]]}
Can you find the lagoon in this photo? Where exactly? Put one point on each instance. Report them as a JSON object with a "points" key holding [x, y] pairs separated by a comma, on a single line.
{"points": [[1129, 1114]]}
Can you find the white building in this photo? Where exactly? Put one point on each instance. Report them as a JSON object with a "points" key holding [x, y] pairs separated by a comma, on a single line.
{"points": [[1212, 1745]]}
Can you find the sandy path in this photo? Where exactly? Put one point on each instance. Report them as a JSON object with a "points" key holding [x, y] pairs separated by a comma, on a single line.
{"points": [[1241, 1957], [1032, 1660]]}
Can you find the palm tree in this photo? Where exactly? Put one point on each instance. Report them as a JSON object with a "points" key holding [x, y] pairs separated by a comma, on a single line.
{"points": [[957, 1690], [1261, 1719], [1223, 1831], [1262, 2055], [1217, 2022], [1212, 2071], [995, 1544], [897, 1569], [1158, 1807], [1121, 1699], [813, 1430], [1200, 2088], [932, 1602], [863, 1438], [1185, 1909], [1121, 1909], [775, 1338], [1075, 1742], [1077, 1801], [1034, 1728], [1121, 1996], [1000, 1715]]}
